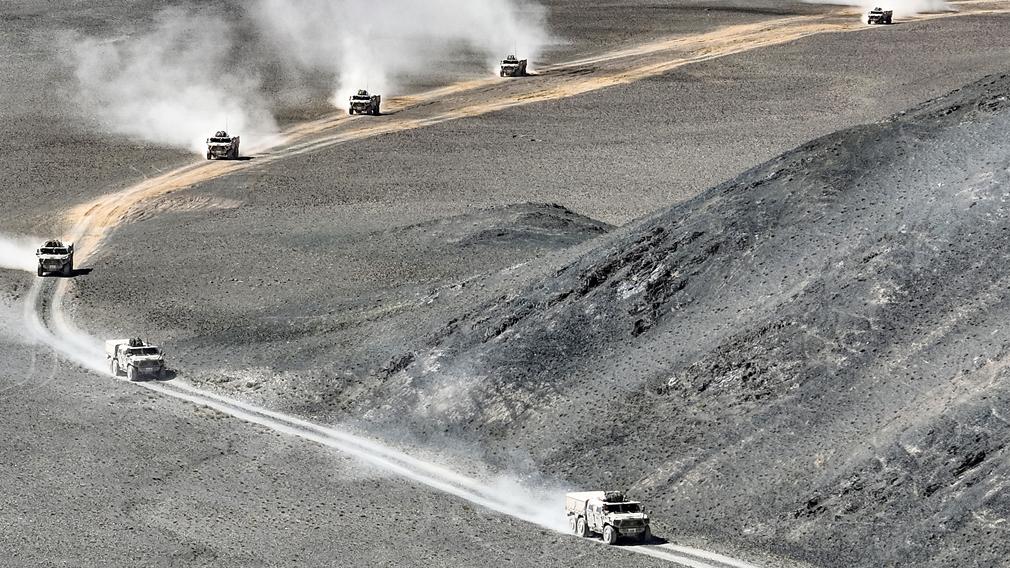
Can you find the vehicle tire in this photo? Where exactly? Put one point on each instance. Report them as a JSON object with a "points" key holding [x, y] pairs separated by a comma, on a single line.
{"points": [[209, 156], [646, 537], [580, 527], [131, 373], [350, 111], [609, 535], [115, 367], [41, 272]]}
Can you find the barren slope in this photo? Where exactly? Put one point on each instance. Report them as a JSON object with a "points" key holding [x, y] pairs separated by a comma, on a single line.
{"points": [[809, 357]]}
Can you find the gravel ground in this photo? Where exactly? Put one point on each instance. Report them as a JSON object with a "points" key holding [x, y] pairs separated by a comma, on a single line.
{"points": [[326, 269], [809, 358], [100, 473]]}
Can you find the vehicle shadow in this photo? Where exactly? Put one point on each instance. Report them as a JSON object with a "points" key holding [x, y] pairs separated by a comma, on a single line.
{"points": [[652, 541], [73, 273], [166, 376]]}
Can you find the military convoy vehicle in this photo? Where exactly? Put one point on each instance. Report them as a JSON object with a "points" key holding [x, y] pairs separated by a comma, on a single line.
{"points": [[364, 103], [608, 514], [222, 146], [55, 258], [879, 16], [512, 67], [135, 358]]}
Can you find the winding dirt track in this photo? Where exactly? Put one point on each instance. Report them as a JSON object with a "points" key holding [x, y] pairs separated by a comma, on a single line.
{"points": [[92, 221]]}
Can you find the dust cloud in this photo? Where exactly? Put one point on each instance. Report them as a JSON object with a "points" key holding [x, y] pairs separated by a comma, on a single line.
{"points": [[192, 72], [18, 252], [375, 45], [901, 8], [172, 86]]}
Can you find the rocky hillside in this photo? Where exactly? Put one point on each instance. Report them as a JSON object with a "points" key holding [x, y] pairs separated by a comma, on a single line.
{"points": [[808, 358]]}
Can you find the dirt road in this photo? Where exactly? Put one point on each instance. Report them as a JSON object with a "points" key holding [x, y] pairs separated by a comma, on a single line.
{"points": [[92, 222]]}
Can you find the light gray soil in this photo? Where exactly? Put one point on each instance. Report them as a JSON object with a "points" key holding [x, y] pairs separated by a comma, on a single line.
{"points": [[806, 359]]}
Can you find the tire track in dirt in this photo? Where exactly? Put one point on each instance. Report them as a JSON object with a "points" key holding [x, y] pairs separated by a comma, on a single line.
{"points": [[92, 222]]}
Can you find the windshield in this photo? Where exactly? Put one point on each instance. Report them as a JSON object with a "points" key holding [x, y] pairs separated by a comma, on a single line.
{"points": [[622, 508], [54, 251], [142, 351], [225, 140]]}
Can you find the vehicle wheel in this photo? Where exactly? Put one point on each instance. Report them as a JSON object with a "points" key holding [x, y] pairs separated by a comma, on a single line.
{"points": [[209, 156], [580, 527], [115, 367], [609, 535], [131, 373], [646, 537], [350, 111], [41, 272], [68, 269]]}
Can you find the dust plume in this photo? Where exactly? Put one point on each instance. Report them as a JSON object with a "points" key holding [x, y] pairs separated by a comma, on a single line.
{"points": [[173, 85], [381, 46], [902, 8], [18, 252]]}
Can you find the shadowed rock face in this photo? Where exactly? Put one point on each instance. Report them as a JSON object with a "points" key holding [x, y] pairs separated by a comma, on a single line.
{"points": [[809, 357]]}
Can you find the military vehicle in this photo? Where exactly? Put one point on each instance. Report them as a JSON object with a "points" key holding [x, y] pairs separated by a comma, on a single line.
{"points": [[879, 16], [608, 514], [222, 146], [512, 67], [134, 357], [364, 103], [55, 257]]}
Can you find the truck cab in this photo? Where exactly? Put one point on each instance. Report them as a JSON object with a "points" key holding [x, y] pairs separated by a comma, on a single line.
{"points": [[222, 146], [135, 357], [608, 514], [879, 16], [55, 258], [512, 67], [364, 103]]}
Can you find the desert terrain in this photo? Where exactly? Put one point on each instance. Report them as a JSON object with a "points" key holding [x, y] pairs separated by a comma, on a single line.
{"points": [[742, 260]]}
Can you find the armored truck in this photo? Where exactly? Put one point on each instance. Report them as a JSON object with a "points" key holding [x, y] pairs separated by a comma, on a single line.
{"points": [[608, 514], [222, 146], [55, 258], [879, 16], [512, 67], [364, 103], [134, 357]]}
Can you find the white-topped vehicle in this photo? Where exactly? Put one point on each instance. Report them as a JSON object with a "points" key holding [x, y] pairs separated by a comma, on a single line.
{"points": [[512, 67], [221, 146], [608, 514], [55, 258], [363, 102], [879, 16], [134, 357]]}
